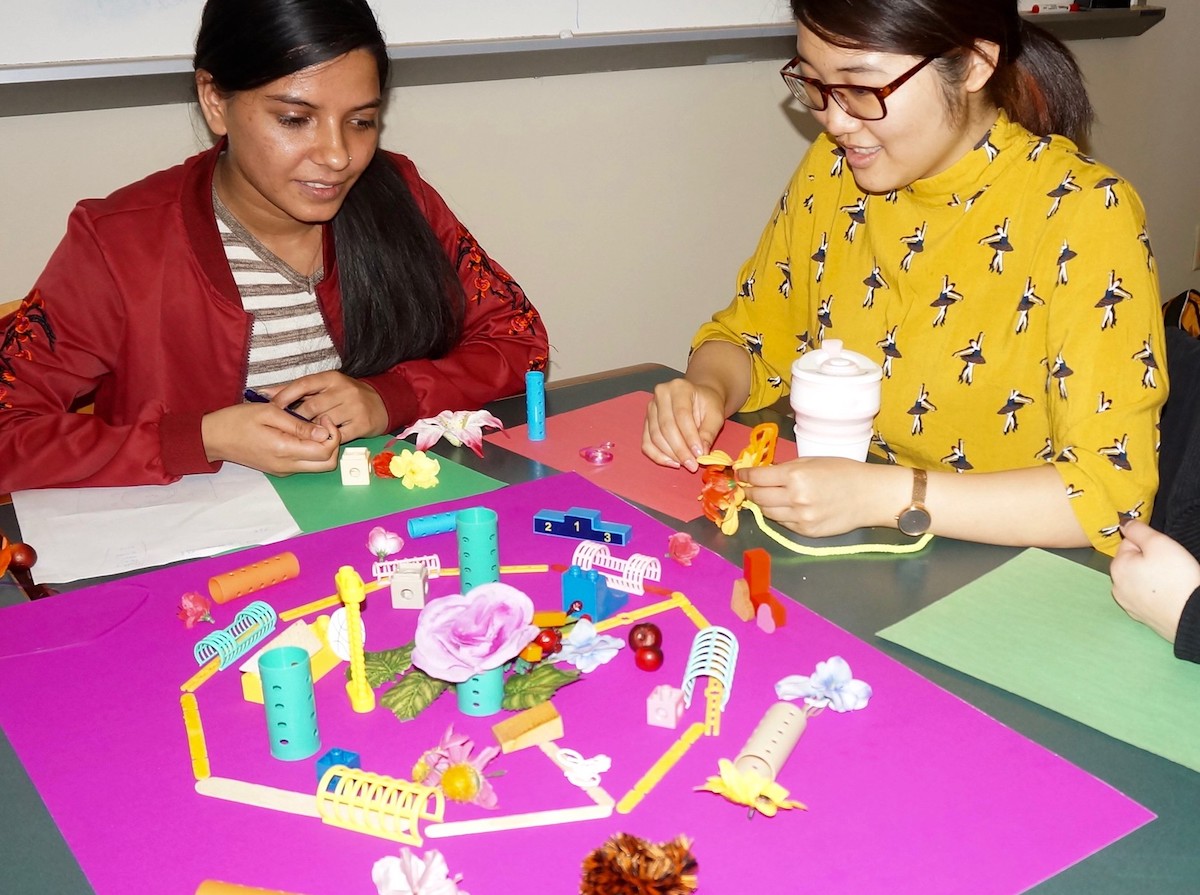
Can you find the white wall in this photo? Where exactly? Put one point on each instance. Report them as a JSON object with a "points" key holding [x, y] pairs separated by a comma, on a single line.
{"points": [[623, 202]]}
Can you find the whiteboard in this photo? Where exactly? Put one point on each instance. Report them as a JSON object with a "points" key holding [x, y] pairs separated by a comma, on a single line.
{"points": [[113, 37]]}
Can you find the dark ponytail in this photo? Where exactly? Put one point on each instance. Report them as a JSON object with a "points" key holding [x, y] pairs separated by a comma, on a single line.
{"points": [[1043, 89], [400, 296], [1037, 81]]}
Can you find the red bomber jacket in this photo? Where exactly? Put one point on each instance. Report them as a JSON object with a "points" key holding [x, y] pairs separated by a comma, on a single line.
{"points": [[137, 309]]}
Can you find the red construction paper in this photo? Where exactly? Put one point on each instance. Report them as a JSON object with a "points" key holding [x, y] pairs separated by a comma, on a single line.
{"points": [[918, 794], [631, 474]]}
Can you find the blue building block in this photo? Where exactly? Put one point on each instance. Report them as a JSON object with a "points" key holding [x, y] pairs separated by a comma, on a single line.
{"points": [[336, 757], [583, 525], [587, 593]]}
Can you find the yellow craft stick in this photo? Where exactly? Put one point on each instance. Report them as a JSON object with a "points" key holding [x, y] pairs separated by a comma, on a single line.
{"points": [[676, 601], [659, 769], [216, 887], [690, 610], [325, 603], [195, 736], [504, 570], [633, 615], [192, 684], [712, 706]]}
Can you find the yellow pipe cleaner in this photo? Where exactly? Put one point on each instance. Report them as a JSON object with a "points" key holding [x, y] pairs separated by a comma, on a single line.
{"points": [[846, 550]]}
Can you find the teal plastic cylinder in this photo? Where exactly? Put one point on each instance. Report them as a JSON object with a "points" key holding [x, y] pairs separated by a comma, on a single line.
{"points": [[478, 549], [481, 694], [291, 709]]}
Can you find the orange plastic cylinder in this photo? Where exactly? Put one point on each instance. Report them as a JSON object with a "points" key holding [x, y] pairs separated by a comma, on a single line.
{"points": [[212, 887], [254, 577]]}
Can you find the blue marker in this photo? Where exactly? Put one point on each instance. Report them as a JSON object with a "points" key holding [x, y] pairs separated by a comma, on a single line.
{"points": [[535, 404], [259, 398]]}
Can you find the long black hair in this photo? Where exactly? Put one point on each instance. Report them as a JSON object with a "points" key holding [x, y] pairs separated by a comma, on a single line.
{"points": [[400, 296], [1036, 81]]}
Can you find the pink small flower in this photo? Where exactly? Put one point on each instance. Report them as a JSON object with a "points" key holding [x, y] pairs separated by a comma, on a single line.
{"points": [[682, 548], [383, 543], [194, 607], [459, 774]]}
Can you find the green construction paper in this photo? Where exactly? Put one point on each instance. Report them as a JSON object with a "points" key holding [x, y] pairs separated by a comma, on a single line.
{"points": [[1048, 629], [320, 500]]}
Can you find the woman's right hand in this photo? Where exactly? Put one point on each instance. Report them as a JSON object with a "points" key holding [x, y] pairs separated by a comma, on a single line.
{"points": [[682, 423], [269, 439]]}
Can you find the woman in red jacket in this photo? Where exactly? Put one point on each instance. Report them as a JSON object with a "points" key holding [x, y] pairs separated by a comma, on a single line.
{"points": [[295, 259]]}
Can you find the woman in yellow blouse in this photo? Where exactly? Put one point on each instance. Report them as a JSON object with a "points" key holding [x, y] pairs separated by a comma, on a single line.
{"points": [[945, 224]]}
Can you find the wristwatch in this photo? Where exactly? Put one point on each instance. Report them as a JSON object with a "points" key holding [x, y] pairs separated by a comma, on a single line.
{"points": [[914, 519]]}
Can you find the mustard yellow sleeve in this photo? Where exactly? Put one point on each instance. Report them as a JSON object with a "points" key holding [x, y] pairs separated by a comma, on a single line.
{"points": [[1105, 358]]}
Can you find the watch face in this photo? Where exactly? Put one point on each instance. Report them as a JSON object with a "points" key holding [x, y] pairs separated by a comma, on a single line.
{"points": [[914, 521]]}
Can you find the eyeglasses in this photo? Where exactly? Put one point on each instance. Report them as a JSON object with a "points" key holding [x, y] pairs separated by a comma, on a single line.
{"points": [[865, 103]]}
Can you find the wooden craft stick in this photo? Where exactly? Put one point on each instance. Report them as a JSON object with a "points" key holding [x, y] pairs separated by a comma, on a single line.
{"points": [[258, 795], [192, 684], [659, 769], [552, 817]]}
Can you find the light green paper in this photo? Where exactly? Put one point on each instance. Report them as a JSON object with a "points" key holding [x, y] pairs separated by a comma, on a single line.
{"points": [[1048, 629], [318, 501]]}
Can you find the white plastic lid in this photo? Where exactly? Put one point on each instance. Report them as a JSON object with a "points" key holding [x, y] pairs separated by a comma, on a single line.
{"points": [[832, 359]]}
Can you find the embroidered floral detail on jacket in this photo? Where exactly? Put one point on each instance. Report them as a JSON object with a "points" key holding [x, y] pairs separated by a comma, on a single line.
{"points": [[29, 320]]}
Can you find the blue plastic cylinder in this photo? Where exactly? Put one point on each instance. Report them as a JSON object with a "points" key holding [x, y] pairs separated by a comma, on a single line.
{"points": [[478, 548], [482, 694], [434, 524], [288, 699], [535, 404]]}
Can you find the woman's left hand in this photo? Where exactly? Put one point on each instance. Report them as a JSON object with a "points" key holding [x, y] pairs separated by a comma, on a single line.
{"points": [[353, 406], [822, 496], [1153, 576]]}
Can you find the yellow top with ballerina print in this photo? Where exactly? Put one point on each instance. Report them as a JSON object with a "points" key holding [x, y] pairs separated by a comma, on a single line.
{"points": [[1012, 301]]}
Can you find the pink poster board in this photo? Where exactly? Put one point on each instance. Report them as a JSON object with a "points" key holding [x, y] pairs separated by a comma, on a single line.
{"points": [[918, 794], [630, 474]]}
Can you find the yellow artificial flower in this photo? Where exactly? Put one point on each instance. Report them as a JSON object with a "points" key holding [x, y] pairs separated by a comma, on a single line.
{"points": [[749, 789], [415, 469]]}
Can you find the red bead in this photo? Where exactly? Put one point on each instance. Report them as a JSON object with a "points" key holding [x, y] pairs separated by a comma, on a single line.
{"points": [[645, 634], [648, 658]]}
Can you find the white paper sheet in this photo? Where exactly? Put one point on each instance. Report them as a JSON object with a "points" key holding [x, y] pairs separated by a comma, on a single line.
{"points": [[89, 532]]}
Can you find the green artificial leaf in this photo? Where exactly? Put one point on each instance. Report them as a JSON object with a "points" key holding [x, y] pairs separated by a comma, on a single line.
{"points": [[524, 691], [386, 664], [412, 694]]}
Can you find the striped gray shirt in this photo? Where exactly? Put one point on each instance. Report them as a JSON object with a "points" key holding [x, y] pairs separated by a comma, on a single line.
{"points": [[289, 338]]}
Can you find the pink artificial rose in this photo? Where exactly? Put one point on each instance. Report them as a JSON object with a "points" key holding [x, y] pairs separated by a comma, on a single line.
{"points": [[463, 634], [682, 548]]}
